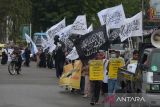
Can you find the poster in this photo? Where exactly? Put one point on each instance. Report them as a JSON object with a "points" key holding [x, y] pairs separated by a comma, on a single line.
{"points": [[65, 78], [72, 75], [154, 10], [114, 64], [76, 75], [96, 70]]}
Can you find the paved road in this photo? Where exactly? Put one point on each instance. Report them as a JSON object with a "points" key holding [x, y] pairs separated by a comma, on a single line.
{"points": [[36, 87]]}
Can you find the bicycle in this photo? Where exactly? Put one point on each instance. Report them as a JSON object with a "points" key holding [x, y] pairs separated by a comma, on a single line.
{"points": [[13, 66]]}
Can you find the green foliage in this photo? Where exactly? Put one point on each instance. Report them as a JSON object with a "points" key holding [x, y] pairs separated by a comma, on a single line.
{"points": [[48, 12], [17, 12], [45, 13]]}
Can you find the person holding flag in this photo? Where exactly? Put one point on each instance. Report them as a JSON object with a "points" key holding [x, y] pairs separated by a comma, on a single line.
{"points": [[59, 56]]}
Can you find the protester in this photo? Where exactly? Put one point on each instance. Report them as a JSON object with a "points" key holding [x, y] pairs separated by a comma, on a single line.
{"points": [[50, 61], [96, 84], [4, 58], [19, 61], [27, 56], [134, 59], [59, 56], [42, 62], [82, 82], [87, 81], [114, 63]]}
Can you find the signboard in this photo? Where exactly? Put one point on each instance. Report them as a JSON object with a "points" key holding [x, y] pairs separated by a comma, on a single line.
{"points": [[25, 29], [154, 10], [114, 64], [65, 79], [76, 75], [71, 76], [96, 70]]}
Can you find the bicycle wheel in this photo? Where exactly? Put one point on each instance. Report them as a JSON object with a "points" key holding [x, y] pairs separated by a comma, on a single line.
{"points": [[11, 68]]}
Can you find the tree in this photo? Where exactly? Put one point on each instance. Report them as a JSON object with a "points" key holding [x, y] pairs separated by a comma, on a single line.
{"points": [[14, 13], [49, 12]]}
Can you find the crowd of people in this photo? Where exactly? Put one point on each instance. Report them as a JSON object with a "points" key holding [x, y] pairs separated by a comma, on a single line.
{"points": [[89, 88]]}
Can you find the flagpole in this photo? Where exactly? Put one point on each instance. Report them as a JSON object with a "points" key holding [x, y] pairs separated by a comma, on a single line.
{"points": [[142, 20]]}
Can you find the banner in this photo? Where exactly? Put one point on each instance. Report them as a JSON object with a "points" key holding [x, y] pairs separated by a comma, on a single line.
{"points": [[52, 47], [34, 49], [112, 17], [73, 54], [80, 25], [44, 43], [96, 70], [64, 34], [90, 43], [76, 75], [72, 75], [131, 27], [65, 78], [56, 28], [114, 34]]}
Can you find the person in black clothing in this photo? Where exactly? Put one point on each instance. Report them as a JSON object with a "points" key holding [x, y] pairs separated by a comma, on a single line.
{"points": [[19, 61], [42, 62], [49, 61], [27, 56], [4, 58], [59, 56]]}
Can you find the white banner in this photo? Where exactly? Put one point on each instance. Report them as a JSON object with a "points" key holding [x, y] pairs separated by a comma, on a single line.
{"points": [[112, 17], [56, 28], [80, 25], [73, 54], [51, 48], [90, 29], [65, 33], [34, 48], [131, 27]]}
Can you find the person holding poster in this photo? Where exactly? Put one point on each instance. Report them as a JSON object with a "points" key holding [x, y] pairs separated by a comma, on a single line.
{"points": [[96, 81], [115, 62]]}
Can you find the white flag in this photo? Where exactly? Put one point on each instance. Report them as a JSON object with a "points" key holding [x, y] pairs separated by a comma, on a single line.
{"points": [[56, 28], [34, 48], [90, 29], [131, 27], [73, 54], [112, 17], [52, 47], [65, 33], [44, 43], [80, 25], [28, 38]]}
